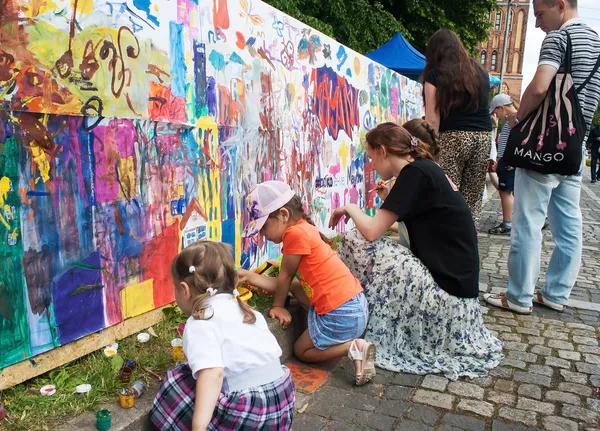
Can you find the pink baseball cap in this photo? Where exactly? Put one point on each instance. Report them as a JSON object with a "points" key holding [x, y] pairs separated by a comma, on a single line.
{"points": [[266, 198]]}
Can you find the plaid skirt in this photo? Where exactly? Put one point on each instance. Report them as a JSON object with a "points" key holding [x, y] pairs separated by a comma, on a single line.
{"points": [[266, 407]]}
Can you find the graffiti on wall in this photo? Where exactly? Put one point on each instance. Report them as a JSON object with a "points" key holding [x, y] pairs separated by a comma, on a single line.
{"points": [[130, 129]]}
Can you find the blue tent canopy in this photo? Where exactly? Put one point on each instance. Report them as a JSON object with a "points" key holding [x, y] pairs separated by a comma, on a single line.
{"points": [[399, 55]]}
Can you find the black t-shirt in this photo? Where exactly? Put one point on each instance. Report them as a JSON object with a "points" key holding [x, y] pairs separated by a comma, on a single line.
{"points": [[440, 226], [461, 120], [594, 135]]}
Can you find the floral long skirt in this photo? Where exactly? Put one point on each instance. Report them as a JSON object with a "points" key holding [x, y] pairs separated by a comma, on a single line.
{"points": [[416, 326]]}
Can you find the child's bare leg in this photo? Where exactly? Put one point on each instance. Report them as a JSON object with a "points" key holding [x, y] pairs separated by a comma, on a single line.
{"points": [[306, 351]]}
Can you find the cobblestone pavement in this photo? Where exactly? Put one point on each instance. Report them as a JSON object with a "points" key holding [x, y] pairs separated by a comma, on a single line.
{"points": [[549, 379]]}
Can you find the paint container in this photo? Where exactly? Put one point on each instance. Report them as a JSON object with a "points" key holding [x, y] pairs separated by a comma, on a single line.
{"points": [[48, 390], [177, 345], [181, 328], [103, 420], [83, 389], [111, 350], [2, 411], [125, 374], [126, 398], [138, 388], [143, 337]]}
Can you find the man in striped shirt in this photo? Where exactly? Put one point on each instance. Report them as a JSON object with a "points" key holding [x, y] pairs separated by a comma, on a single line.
{"points": [[535, 193]]}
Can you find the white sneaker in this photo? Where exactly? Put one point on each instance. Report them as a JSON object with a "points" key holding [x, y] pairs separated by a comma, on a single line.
{"points": [[499, 300], [539, 299]]}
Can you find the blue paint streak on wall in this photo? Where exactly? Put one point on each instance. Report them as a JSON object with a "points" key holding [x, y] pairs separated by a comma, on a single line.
{"points": [[144, 5], [178, 68], [132, 219], [200, 78], [83, 313], [217, 60]]}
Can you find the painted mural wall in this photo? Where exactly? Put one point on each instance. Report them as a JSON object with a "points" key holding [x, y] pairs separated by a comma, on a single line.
{"points": [[129, 129]]}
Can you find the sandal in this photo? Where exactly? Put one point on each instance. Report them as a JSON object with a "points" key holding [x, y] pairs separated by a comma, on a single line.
{"points": [[500, 300], [501, 229], [539, 299], [367, 357]]}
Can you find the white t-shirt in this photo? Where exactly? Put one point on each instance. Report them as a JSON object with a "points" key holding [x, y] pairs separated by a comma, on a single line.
{"points": [[225, 341]]}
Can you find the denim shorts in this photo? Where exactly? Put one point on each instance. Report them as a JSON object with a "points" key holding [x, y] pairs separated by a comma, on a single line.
{"points": [[343, 324], [506, 178]]}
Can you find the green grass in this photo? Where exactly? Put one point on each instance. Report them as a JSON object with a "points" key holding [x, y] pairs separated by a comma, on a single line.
{"points": [[28, 410]]}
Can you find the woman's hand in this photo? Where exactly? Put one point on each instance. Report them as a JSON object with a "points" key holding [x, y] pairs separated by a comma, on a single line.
{"points": [[383, 190], [338, 213]]}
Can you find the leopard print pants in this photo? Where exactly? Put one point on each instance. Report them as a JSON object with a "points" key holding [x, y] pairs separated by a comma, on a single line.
{"points": [[464, 157]]}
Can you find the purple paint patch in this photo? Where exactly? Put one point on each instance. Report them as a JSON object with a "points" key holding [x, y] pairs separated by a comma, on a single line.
{"points": [[78, 300]]}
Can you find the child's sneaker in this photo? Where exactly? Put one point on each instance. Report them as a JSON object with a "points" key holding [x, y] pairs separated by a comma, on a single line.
{"points": [[501, 229]]}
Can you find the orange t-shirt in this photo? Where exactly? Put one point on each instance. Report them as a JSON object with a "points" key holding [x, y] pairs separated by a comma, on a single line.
{"points": [[330, 279]]}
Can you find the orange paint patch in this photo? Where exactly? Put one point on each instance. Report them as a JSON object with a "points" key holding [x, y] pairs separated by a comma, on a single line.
{"points": [[308, 378]]}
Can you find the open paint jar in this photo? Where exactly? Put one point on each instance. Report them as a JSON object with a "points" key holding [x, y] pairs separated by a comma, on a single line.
{"points": [[177, 345], [103, 420], [126, 398]]}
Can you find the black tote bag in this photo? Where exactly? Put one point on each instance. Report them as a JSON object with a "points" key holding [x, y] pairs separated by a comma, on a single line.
{"points": [[549, 140]]}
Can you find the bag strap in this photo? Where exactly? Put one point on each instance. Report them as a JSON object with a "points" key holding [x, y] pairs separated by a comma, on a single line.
{"points": [[568, 54], [589, 78]]}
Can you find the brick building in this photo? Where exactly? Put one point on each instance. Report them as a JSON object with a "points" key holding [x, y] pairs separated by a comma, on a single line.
{"points": [[490, 52]]}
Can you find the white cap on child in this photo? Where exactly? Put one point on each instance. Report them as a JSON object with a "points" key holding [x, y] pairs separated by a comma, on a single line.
{"points": [[500, 100], [266, 198]]}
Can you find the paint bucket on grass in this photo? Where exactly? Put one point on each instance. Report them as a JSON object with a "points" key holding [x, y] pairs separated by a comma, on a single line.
{"points": [[126, 398], [103, 420], [126, 371]]}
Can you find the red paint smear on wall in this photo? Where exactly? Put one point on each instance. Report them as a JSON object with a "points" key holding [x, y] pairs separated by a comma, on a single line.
{"points": [[155, 261], [163, 106], [220, 14]]}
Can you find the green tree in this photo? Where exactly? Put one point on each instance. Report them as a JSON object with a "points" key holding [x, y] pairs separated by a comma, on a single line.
{"points": [[468, 18], [365, 25]]}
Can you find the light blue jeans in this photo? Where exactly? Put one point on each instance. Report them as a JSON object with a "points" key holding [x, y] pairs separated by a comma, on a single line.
{"points": [[536, 194]]}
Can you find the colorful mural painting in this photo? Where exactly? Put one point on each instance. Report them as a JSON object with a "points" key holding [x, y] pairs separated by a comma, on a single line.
{"points": [[130, 129]]}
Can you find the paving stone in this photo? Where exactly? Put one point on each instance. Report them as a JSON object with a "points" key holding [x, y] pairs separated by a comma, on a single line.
{"points": [[588, 341], [561, 345], [437, 383], [595, 380], [392, 408], [424, 414], [510, 362], [528, 331], [583, 367], [575, 388], [507, 321], [362, 402], [434, 399], [536, 340], [503, 426], [544, 370], [499, 328], [380, 422], [515, 415], [463, 422], [535, 406], [502, 372], [346, 414], [478, 407], [571, 356], [557, 362], [507, 336], [534, 325], [555, 423], [553, 322], [319, 408], [541, 350], [588, 349], [580, 413], [580, 326], [572, 377], [411, 380], [406, 424], [553, 335], [308, 422], [504, 385], [591, 359], [593, 404], [466, 390], [563, 397], [534, 379], [398, 393], [444, 427], [584, 333], [482, 382], [511, 345], [523, 356], [344, 426], [531, 391], [501, 398]]}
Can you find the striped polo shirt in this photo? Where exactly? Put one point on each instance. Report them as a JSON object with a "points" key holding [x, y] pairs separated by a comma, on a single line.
{"points": [[585, 45], [503, 139]]}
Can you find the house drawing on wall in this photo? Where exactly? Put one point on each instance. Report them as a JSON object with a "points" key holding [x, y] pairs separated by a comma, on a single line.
{"points": [[193, 224]]}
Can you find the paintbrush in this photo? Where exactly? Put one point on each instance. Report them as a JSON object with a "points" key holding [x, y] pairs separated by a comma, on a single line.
{"points": [[385, 183]]}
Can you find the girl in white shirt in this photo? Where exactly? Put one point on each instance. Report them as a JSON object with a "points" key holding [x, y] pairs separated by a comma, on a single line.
{"points": [[233, 379]]}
